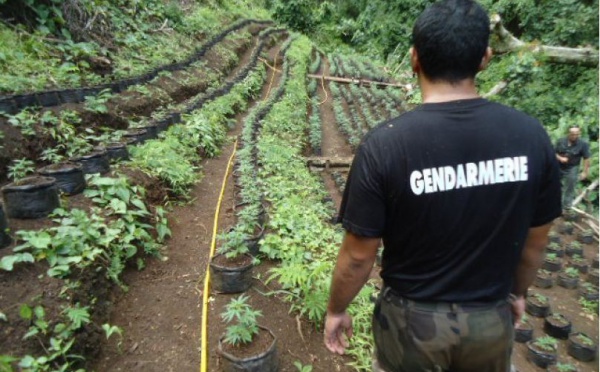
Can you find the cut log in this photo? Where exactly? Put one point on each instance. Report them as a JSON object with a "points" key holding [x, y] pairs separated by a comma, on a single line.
{"points": [[329, 162], [503, 42]]}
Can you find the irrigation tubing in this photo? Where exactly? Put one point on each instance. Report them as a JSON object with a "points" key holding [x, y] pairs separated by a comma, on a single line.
{"points": [[203, 341]]}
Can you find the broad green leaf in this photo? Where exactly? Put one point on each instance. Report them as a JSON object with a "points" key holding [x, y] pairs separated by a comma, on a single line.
{"points": [[25, 312]]}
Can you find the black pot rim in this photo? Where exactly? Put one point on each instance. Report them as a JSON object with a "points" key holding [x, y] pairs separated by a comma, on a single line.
{"points": [[530, 347], [135, 132], [255, 357], [92, 155], [67, 167], [575, 334], [47, 182], [115, 145], [230, 269]]}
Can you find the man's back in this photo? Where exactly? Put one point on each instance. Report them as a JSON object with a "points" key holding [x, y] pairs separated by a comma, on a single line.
{"points": [[452, 188]]}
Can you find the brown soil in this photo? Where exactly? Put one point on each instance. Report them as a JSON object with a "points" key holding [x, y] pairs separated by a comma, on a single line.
{"points": [[239, 261]]}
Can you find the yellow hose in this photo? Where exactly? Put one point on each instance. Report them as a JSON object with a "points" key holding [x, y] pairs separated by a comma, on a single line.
{"points": [[203, 341]]}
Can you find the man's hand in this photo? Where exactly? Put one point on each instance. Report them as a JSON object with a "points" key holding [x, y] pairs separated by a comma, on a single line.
{"points": [[338, 329], [583, 176], [518, 309], [562, 159]]}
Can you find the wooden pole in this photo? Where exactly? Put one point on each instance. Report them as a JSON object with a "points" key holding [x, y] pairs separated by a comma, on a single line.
{"points": [[359, 81]]}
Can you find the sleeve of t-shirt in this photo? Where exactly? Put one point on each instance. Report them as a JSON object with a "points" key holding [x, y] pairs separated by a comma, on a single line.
{"points": [[362, 211], [548, 206], [585, 150]]}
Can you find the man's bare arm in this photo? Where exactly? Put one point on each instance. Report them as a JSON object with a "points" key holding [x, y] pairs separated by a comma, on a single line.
{"points": [[354, 264]]}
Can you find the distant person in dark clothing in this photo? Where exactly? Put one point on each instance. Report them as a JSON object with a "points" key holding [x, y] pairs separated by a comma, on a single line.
{"points": [[569, 151], [463, 192]]}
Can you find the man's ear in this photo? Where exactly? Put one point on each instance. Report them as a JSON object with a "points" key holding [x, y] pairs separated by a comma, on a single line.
{"points": [[414, 60], [486, 59]]}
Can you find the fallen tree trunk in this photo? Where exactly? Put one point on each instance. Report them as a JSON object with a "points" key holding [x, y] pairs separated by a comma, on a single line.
{"points": [[503, 42]]}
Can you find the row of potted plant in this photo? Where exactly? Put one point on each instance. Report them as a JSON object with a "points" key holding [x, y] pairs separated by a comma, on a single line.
{"points": [[238, 248], [43, 193], [15, 103], [300, 234]]}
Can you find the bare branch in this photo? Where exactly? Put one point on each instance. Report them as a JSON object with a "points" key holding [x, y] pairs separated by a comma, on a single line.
{"points": [[496, 89]]}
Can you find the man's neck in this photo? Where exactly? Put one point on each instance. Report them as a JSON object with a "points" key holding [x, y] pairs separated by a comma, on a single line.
{"points": [[441, 91]]}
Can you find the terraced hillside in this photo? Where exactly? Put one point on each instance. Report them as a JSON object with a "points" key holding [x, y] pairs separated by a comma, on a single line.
{"points": [[232, 150]]}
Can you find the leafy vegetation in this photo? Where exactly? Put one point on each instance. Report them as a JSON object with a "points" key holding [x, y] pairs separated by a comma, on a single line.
{"points": [[241, 321], [546, 343], [58, 44]]}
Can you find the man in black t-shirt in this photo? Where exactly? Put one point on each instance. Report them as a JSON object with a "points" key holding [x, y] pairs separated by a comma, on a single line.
{"points": [[462, 191], [569, 151]]}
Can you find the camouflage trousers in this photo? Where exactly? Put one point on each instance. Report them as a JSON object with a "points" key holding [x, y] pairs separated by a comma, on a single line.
{"points": [[413, 336]]}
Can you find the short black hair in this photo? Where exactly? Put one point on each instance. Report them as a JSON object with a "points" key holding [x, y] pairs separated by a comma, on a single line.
{"points": [[451, 37]]}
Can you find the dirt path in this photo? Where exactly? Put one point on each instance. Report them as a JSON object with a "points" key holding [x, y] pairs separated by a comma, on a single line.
{"points": [[160, 314], [334, 143]]}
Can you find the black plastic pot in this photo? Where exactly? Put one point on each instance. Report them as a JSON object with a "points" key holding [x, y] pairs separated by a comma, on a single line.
{"points": [[70, 96], [25, 100], [523, 333], [95, 162], [586, 238], [537, 308], [175, 117], [581, 266], [69, 177], [8, 106], [152, 131], [253, 243], [557, 326], [553, 265], [123, 85], [117, 151], [163, 124], [589, 293], [31, 197], [5, 238], [567, 281], [572, 251], [266, 361], [137, 135], [580, 350], [231, 279], [91, 91], [592, 276], [566, 229], [544, 280], [47, 99], [540, 358], [559, 252]]}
